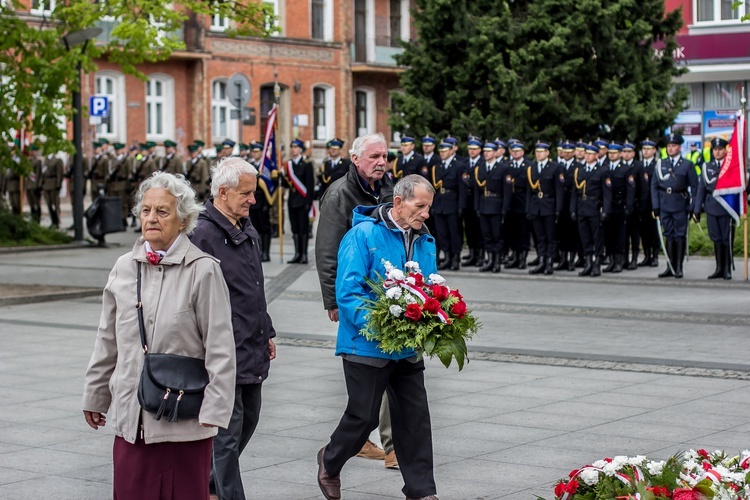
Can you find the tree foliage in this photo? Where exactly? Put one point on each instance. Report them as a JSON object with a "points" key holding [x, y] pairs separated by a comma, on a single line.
{"points": [[38, 71], [540, 69]]}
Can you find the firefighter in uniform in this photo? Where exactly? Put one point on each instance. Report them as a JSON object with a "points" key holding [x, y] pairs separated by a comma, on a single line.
{"points": [[672, 186], [409, 162], [719, 221], [489, 177], [334, 168], [619, 198], [633, 170], [470, 218], [544, 200], [647, 225], [517, 229], [586, 209], [117, 179], [567, 229], [448, 204], [260, 212], [299, 177]]}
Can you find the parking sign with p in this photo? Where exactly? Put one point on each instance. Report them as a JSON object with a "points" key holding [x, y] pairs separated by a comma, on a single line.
{"points": [[99, 106]]}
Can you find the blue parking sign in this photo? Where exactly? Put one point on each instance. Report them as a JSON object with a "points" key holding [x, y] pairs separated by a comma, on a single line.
{"points": [[99, 106]]}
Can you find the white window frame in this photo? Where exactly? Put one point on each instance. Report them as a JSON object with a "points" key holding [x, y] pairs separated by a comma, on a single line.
{"points": [[47, 7], [329, 113], [167, 109], [276, 10], [394, 135], [327, 20], [117, 105], [717, 20], [404, 27], [372, 110], [217, 106]]}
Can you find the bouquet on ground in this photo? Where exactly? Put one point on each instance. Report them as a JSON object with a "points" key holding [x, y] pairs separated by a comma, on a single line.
{"points": [[410, 312], [690, 475]]}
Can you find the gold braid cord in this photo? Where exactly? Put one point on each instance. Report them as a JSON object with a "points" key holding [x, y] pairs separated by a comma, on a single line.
{"points": [[436, 184], [396, 173], [476, 177], [264, 188], [579, 185], [532, 185]]}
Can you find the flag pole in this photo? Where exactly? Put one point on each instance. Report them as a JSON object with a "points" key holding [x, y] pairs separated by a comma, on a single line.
{"points": [[279, 160], [743, 200]]}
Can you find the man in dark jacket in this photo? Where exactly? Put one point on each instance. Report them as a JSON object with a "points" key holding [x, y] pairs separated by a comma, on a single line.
{"points": [[364, 184], [225, 232]]}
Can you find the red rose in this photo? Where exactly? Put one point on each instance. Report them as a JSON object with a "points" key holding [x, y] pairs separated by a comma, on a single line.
{"points": [[572, 486], [608, 460], [418, 279], [431, 305], [559, 490], [703, 453], [707, 465], [685, 494], [459, 309], [413, 312], [457, 294], [573, 473], [440, 292], [659, 491]]}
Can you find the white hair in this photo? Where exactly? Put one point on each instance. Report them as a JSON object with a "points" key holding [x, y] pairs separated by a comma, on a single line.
{"points": [[360, 143], [227, 173], [188, 207]]}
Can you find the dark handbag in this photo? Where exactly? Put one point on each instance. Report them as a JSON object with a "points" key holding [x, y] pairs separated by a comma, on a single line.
{"points": [[170, 384]]}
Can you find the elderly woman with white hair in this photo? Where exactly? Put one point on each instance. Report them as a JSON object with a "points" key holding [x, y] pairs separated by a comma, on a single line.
{"points": [[186, 311]]}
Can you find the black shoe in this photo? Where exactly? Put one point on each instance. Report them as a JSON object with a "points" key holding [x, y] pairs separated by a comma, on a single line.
{"points": [[456, 262], [446, 264], [496, 264], [596, 270], [611, 265], [727, 262], [563, 264], [540, 267], [580, 261], [470, 259], [646, 258], [571, 262], [297, 246], [522, 259], [670, 255], [633, 264], [304, 240], [511, 260], [549, 266], [588, 266], [618, 260], [489, 263], [607, 261], [680, 249], [480, 258], [719, 257], [265, 247]]}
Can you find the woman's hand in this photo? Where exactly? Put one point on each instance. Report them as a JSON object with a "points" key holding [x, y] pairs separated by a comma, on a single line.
{"points": [[95, 419]]}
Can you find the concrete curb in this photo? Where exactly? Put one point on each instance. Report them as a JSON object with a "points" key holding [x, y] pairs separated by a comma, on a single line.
{"points": [[49, 297]]}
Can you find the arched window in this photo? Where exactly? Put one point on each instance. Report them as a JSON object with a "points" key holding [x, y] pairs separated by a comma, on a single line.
{"points": [[324, 112], [223, 126], [111, 84], [160, 107]]}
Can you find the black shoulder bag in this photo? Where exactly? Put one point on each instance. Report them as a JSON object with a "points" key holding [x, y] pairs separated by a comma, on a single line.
{"points": [[170, 383]]}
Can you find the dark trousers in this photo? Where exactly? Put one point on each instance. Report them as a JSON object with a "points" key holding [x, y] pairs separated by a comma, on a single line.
{"points": [[229, 443], [632, 232], [567, 233], [590, 229], [517, 231], [720, 229], [299, 219], [648, 231], [261, 219], [52, 197], [472, 229], [546, 237], [410, 419], [675, 225], [614, 233], [492, 232], [449, 232]]}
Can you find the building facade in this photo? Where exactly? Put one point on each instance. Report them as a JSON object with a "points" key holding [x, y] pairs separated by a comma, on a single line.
{"points": [[332, 60], [714, 46]]}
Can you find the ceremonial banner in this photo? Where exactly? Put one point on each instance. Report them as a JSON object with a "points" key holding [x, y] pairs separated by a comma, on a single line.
{"points": [[270, 163], [730, 186]]}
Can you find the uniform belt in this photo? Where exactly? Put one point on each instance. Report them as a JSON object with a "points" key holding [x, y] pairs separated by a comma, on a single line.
{"points": [[518, 190], [446, 190], [593, 199], [670, 190], [490, 194], [540, 194]]}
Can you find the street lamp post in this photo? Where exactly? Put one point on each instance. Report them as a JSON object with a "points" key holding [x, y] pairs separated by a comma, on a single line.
{"points": [[71, 40]]}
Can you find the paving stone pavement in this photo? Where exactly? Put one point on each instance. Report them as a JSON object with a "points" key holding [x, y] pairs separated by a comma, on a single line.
{"points": [[566, 370]]}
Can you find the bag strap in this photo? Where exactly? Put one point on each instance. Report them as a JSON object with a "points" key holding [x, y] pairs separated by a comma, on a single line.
{"points": [[139, 308]]}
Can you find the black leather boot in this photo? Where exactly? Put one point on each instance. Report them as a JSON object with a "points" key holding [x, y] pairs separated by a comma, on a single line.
{"points": [[535, 261], [446, 264], [540, 267], [596, 269], [512, 260], [727, 261], [611, 264], [549, 265], [470, 259], [646, 257], [456, 262], [571, 261], [563, 264], [719, 258], [680, 249], [480, 257], [265, 247], [497, 264], [654, 258], [297, 255], [489, 263], [588, 265], [523, 254], [304, 240], [618, 259], [633, 264], [581, 260], [670, 254]]}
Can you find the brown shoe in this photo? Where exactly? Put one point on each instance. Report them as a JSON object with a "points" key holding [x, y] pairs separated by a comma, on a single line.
{"points": [[372, 451], [391, 462], [330, 486]]}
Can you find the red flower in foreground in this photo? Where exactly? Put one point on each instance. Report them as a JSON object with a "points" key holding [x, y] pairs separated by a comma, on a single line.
{"points": [[431, 305], [413, 312], [559, 490], [418, 279], [703, 453], [456, 293], [459, 309], [440, 292], [685, 494], [572, 486], [707, 465], [659, 491], [573, 473]]}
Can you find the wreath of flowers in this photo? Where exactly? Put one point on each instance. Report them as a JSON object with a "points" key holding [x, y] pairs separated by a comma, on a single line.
{"points": [[689, 475], [410, 312]]}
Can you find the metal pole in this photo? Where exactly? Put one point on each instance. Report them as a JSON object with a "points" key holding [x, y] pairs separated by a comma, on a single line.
{"points": [[78, 160], [742, 152], [279, 162]]}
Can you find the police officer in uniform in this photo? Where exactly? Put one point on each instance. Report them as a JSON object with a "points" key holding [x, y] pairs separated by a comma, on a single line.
{"points": [[299, 177], [671, 187], [719, 221], [567, 229], [172, 163], [260, 212], [544, 200], [586, 208], [334, 168], [619, 198], [470, 218], [633, 169], [117, 179], [489, 180], [517, 229], [448, 204], [647, 225], [32, 184], [197, 173]]}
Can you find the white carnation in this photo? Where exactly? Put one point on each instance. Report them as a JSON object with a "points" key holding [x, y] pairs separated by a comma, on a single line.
{"points": [[412, 266], [395, 274], [411, 280], [655, 468], [396, 310], [621, 460], [599, 463], [436, 279], [610, 468], [393, 293], [589, 476], [637, 460], [387, 265], [409, 298]]}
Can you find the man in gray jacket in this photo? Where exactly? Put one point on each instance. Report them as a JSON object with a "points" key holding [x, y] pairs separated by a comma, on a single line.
{"points": [[364, 184], [224, 231]]}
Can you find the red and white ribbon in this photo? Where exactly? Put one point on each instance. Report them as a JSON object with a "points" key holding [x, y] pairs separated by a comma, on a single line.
{"points": [[298, 184], [420, 294]]}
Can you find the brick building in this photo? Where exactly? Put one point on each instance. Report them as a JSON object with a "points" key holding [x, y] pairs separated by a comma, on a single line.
{"points": [[332, 60]]}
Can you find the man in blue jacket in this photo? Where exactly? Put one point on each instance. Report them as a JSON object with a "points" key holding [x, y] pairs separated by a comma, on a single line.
{"points": [[395, 233]]}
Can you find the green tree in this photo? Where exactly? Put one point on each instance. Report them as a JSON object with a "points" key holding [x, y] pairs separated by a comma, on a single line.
{"points": [[38, 71], [541, 69]]}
